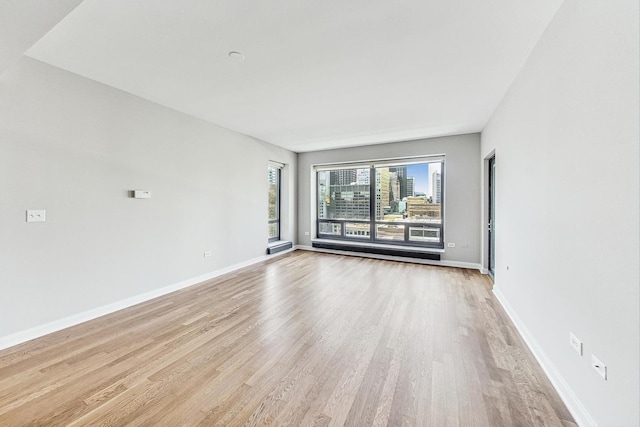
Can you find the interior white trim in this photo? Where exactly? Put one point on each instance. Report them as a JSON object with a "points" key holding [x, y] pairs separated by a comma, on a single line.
{"points": [[66, 322], [444, 263], [574, 405]]}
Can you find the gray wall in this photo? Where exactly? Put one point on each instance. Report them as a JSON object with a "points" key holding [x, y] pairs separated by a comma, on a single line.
{"points": [[567, 151], [462, 186], [75, 148]]}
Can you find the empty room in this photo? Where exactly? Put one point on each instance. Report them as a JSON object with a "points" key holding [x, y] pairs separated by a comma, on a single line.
{"points": [[305, 213]]}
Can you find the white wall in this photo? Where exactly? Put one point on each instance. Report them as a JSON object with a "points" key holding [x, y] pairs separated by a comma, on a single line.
{"points": [[566, 141], [462, 187], [75, 148]]}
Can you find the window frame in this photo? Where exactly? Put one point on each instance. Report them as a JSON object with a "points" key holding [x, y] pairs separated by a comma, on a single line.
{"points": [[373, 221], [278, 177]]}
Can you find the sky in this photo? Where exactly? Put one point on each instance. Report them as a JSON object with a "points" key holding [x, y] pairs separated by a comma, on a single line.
{"points": [[421, 174]]}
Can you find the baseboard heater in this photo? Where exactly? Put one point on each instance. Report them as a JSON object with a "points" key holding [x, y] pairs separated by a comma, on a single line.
{"points": [[279, 247], [377, 250]]}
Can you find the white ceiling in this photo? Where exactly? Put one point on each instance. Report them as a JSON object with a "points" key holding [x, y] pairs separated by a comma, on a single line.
{"points": [[24, 22], [317, 74]]}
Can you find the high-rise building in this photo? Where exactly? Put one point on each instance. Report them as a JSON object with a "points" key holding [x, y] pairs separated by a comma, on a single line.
{"points": [[362, 176], [338, 200], [348, 202], [394, 187], [401, 172], [343, 176], [322, 201], [436, 187], [382, 192], [410, 191], [344, 194]]}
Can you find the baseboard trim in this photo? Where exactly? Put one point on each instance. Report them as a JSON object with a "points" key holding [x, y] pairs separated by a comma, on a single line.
{"points": [[443, 263], [574, 405], [66, 322]]}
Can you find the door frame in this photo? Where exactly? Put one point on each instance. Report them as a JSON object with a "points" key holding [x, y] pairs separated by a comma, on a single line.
{"points": [[491, 215], [485, 241]]}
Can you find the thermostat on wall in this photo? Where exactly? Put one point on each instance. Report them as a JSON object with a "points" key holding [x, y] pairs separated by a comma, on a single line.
{"points": [[141, 194]]}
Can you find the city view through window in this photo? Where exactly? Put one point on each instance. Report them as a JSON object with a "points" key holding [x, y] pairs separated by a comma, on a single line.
{"points": [[399, 204], [274, 203]]}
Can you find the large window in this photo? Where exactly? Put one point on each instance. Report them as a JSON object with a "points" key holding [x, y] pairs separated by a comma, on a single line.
{"points": [[398, 202], [274, 202]]}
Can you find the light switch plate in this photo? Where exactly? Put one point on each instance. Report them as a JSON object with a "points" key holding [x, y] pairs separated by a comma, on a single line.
{"points": [[599, 367], [141, 194]]}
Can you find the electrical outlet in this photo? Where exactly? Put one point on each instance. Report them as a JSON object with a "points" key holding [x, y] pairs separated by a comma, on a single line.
{"points": [[207, 254], [451, 245], [464, 245], [600, 367], [36, 215], [306, 233], [575, 343]]}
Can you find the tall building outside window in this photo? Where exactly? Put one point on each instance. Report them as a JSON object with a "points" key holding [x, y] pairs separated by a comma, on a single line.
{"points": [[399, 202], [274, 203]]}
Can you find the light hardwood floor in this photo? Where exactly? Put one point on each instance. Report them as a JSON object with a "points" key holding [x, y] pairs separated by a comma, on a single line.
{"points": [[303, 339]]}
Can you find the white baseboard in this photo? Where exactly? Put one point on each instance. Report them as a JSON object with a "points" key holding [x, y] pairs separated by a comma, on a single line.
{"points": [[458, 264], [575, 406], [66, 322]]}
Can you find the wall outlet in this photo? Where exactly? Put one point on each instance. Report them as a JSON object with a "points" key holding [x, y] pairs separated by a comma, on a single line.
{"points": [[451, 245], [575, 343], [38, 215], [306, 233], [207, 254], [599, 367], [464, 245]]}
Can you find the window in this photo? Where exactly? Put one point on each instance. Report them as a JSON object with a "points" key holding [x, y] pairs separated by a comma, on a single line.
{"points": [[274, 202], [399, 202]]}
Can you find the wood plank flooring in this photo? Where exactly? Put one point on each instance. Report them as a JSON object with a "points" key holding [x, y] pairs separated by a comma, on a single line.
{"points": [[305, 339]]}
